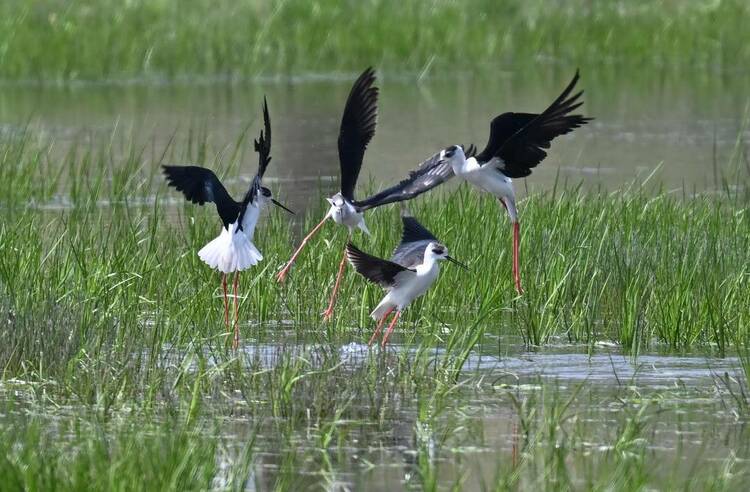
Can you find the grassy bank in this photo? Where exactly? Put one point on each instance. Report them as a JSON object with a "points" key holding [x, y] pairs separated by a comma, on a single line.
{"points": [[50, 41]]}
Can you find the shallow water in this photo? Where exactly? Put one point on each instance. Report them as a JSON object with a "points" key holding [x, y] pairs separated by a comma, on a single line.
{"points": [[692, 418], [678, 127], [587, 394]]}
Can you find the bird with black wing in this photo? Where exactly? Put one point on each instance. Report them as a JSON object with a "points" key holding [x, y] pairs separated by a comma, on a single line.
{"points": [[410, 272], [517, 144], [233, 250], [357, 129]]}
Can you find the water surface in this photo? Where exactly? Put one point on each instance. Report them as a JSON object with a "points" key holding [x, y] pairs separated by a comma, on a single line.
{"points": [[687, 129]]}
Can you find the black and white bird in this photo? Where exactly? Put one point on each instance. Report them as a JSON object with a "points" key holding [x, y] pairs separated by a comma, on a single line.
{"points": [[357, 129], [516, 144], [233, 250], [412, 269]]}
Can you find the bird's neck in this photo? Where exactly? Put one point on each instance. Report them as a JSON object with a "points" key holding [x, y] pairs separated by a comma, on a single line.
{"points": [[429, 264], [465, 166], [249, 218]]}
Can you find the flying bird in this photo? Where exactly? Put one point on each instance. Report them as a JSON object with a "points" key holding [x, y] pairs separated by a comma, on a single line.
{"points": [[410, 272], [233, 250], [356, 131], [517, 144]]}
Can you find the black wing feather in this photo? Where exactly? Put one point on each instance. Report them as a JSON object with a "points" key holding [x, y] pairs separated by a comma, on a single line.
{"points": [[357, 129], [414, 231], [518, 139], [200, 185], [263, 148], [374, 269], [263, 142], [425, 177], [414, 239]]}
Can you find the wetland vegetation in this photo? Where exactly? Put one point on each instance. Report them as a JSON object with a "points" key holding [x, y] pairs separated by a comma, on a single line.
{"points": [[167, 39], [116, 361], [624, 365]]}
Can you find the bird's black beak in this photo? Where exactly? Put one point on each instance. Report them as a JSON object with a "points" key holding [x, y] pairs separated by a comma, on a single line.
{"points": [[455, 261], [278, 204]]}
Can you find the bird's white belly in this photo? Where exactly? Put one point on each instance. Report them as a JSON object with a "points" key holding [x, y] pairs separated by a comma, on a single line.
{"points": [[491, 180], [250, 220], [405, 294], [231, 251], [348, 217]]}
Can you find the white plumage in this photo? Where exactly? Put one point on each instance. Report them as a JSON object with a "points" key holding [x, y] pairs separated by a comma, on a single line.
{"points": [[410, 284], [231, 251]]}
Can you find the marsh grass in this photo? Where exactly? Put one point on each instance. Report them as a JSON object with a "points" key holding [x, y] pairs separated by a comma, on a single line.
{"points": [[114, 271], [50, 42], [109, 315]]}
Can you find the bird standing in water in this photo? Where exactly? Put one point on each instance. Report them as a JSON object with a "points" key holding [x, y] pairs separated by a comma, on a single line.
{"points": [[233, 250], [410, 272]]}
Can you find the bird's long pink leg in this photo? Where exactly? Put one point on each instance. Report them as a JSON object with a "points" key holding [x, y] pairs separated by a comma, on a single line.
{"points": [[380, 325], [236, 341], [390, 328], [328, 313], [226, 301], [516, 234], [516, 270], [281, 276]]}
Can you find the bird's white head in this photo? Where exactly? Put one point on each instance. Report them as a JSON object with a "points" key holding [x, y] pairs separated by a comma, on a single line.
{"points": [[436, 251], [337, 200], [454, 155], [265, 196]]}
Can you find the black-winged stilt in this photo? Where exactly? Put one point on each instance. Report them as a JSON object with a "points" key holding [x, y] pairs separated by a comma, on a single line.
{"points": [[357, 129], [516, 145], [233, 250], [412, 269]]}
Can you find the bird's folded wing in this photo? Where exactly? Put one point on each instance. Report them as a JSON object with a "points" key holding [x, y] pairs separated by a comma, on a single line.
{"points": [[377, 270], [200, 185]]}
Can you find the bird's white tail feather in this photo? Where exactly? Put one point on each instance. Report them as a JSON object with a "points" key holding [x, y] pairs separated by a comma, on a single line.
{"points": [[230, 252], [385, 305]]}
